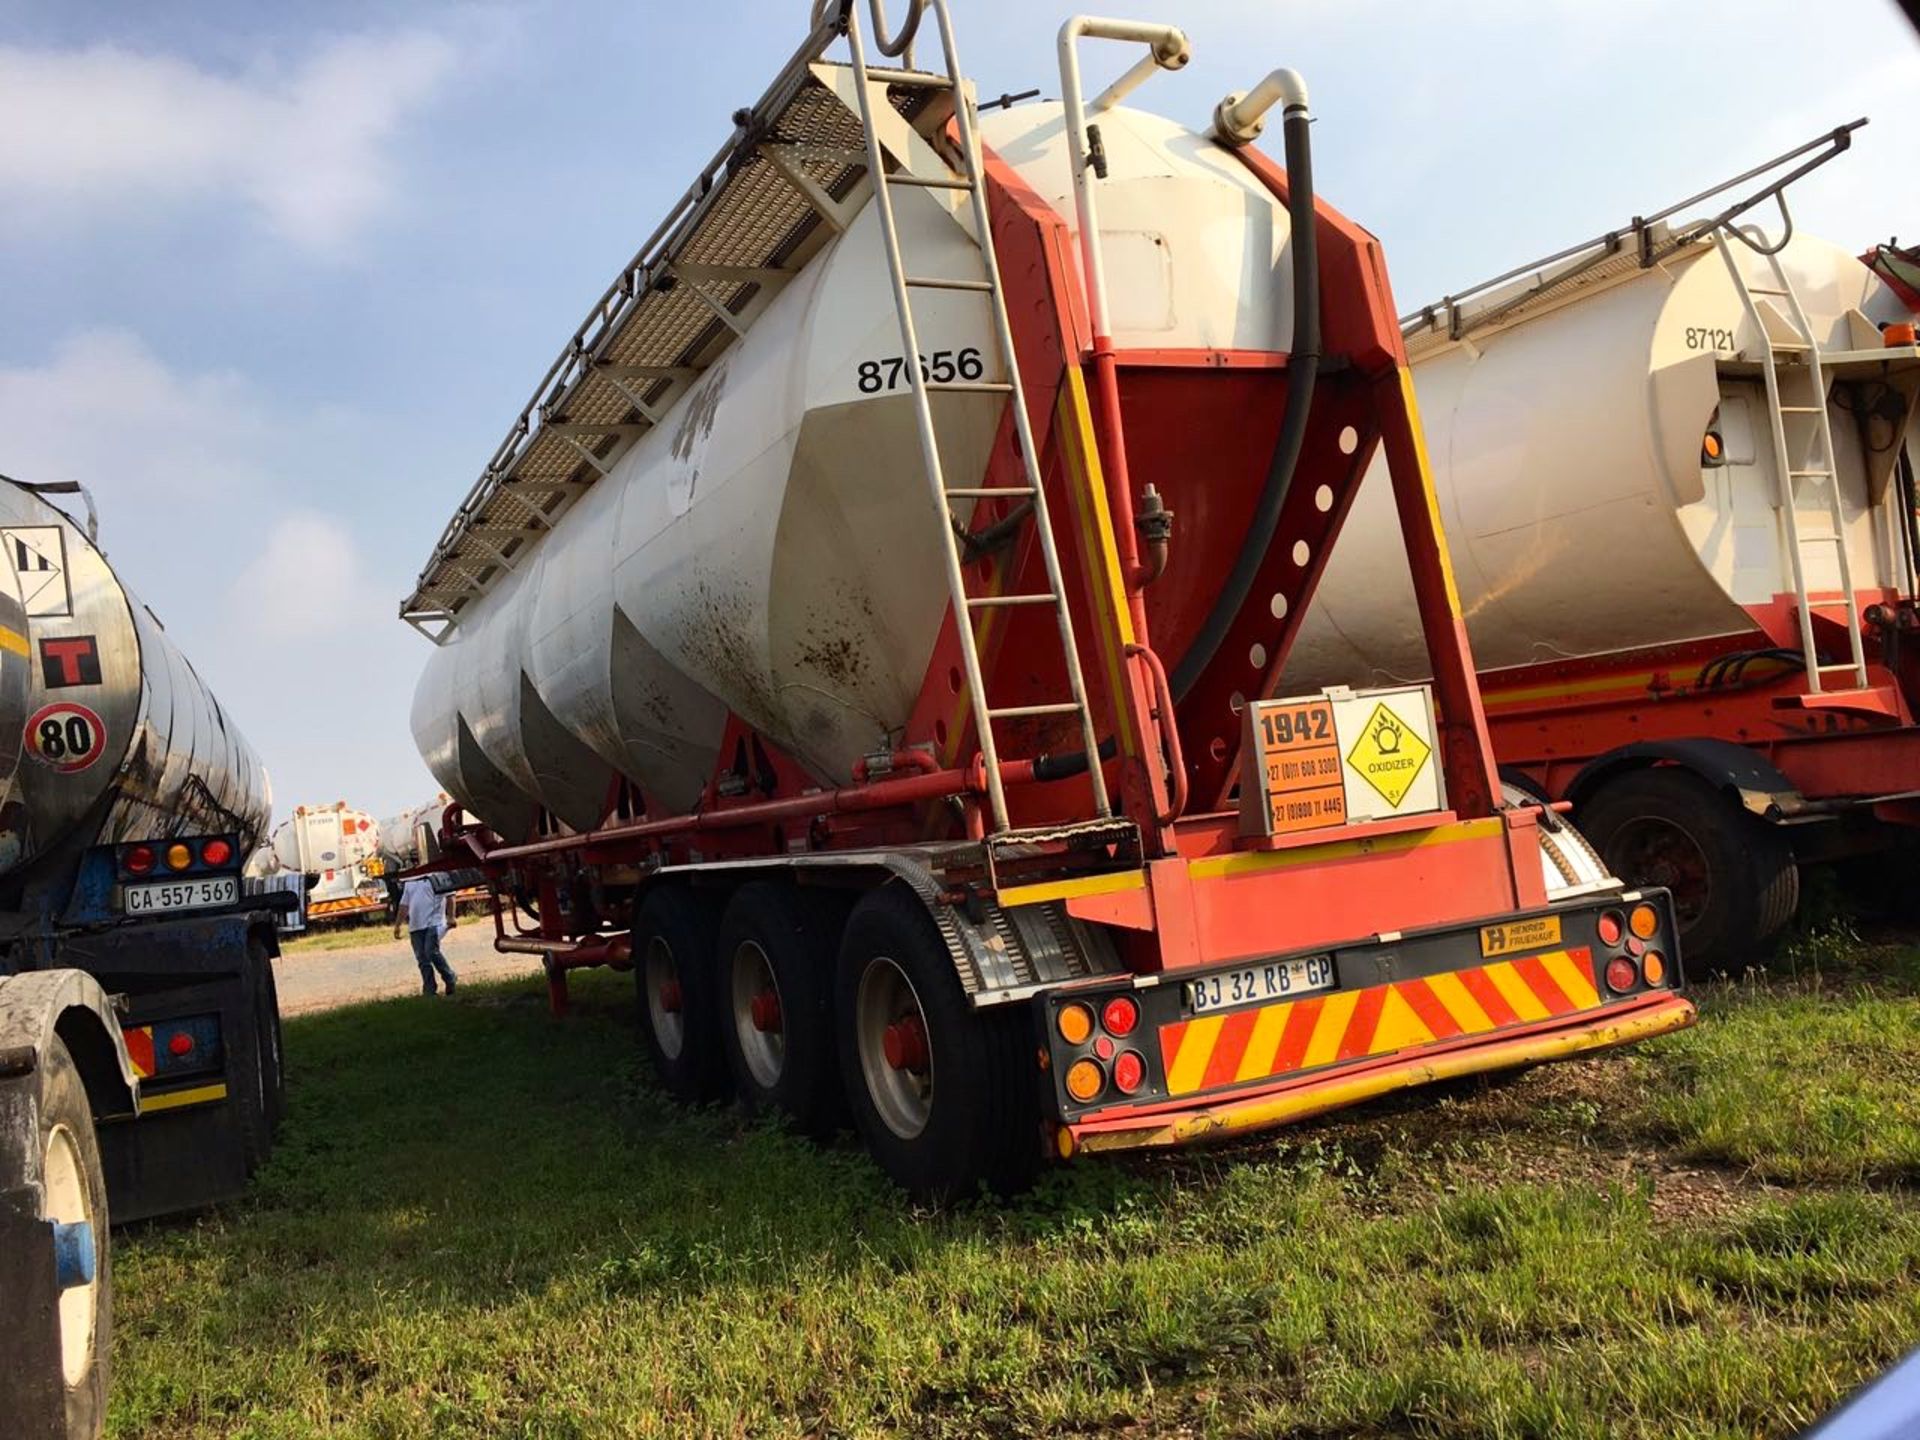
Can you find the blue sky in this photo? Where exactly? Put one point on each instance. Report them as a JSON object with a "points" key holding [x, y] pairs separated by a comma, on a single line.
{"points": [[277, 278]]}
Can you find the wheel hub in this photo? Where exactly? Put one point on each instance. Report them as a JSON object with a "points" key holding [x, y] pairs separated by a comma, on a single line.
{"points": [[765, 1010], [905, 1044], [670, 996]]}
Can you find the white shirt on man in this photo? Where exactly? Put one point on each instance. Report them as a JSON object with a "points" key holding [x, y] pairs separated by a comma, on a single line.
{"points": [[425, 910]]}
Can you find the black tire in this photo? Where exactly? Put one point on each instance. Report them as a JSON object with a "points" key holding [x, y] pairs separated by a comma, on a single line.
{"points": [[261, 1094], [273, 1060], [677, 938], [791, 936], [64, 1106], [1734, 881], [980, 1123]]}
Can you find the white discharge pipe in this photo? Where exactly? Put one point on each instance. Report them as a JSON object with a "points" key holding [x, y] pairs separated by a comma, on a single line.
{"points": [[1239, 119], [1168, 50]]}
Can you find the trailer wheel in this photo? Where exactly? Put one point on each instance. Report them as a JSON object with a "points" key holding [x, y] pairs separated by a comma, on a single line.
{"points": [[674, 945], [937, 1088], [1733, 876], [777, 949], [75, 1193]]}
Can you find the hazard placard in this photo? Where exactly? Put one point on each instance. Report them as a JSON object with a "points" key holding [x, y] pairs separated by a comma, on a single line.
{"points": [[1389, 755], [1294, 766], [1317, 761]]}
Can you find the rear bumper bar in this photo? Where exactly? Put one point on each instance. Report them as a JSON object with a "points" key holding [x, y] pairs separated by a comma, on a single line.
{"points": [[1616, 1024]]}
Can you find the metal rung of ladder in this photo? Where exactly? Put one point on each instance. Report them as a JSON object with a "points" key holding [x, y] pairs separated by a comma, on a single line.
{"points": [[1822, 466], [870, 90], [990, 492], [926, 182], [1024, 712], [908, 79], [1001, 602]]}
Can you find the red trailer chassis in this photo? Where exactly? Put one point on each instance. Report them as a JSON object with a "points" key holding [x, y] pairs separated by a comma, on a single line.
{"points": [[1072, 982], [1715, 775]]}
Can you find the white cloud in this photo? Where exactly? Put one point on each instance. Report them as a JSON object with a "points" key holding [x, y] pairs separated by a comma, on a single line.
{"points": [[104, 405], [306, 583], [107, 129], [210, 492]]}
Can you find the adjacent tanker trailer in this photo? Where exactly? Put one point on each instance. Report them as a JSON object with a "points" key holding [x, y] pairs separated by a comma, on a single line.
{"points": [[1677, 473], [337, 848], [136, 985], [869, 635]]}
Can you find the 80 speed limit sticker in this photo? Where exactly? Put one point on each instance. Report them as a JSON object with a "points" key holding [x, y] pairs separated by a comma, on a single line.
{"points": [[65, 736]]}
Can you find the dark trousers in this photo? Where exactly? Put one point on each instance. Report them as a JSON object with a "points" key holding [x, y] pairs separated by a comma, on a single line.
{"points": [[426, 950]]}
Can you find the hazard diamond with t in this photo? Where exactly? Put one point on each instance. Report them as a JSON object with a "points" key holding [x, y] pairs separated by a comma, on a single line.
{"points": [[1389, 755]]}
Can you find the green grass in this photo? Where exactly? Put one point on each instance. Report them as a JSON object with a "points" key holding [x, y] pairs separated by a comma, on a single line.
{"points": [[484, 1223], [348, 935]]}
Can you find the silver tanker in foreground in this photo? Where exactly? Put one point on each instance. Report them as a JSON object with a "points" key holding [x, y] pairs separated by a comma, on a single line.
{"points": [[136, 979]]}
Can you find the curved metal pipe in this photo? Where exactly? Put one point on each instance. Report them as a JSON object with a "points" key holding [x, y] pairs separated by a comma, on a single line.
{"points": [[892, 46], [1303, 370], [1239, 119]]}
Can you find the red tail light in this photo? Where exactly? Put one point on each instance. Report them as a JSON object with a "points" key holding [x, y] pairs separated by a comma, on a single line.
{"points": [[180, 1043], [1129, 1071], [1622, 975], [1120, 1016], [139, 860], [216, 852], [1611, 927]]}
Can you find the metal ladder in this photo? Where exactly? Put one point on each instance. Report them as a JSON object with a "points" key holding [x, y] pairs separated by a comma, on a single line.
{"points": [[1787, 332], [870, 87]]}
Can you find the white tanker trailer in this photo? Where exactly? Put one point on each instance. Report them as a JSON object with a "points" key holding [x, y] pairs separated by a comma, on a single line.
{"points": [[1677, 478], [337, 848], [128, 803], [408, 839], [801, 647], [733, 561]]}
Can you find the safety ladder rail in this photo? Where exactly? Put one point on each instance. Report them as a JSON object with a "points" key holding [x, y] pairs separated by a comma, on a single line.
{"points": [[866, 80], [1823, 469], [1644, 242]]}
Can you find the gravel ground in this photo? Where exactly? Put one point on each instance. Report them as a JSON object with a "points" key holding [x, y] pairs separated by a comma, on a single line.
{"points": [[323, 979]]}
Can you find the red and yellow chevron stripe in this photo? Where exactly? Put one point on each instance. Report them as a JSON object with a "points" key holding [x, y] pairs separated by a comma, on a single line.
{"points": [[139, 1040], [1254, 1044]]}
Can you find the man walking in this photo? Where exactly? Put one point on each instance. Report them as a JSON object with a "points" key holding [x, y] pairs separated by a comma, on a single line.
{"points": [[424, 913]]}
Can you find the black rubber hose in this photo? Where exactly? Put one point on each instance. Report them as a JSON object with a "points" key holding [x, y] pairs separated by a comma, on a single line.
{"points": [[1303, 369], [1070, 762]]}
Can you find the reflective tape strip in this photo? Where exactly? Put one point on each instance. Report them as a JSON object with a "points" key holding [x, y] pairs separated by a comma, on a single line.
{"points": [[140, 1050], [176, 1099], [1239, 1046], [12, 640]]}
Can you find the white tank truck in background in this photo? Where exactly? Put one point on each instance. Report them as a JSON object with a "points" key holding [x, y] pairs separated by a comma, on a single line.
{"points": [[1677, 477], [139, 1030], [408, 839], [411, 839], [337, 849]]}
